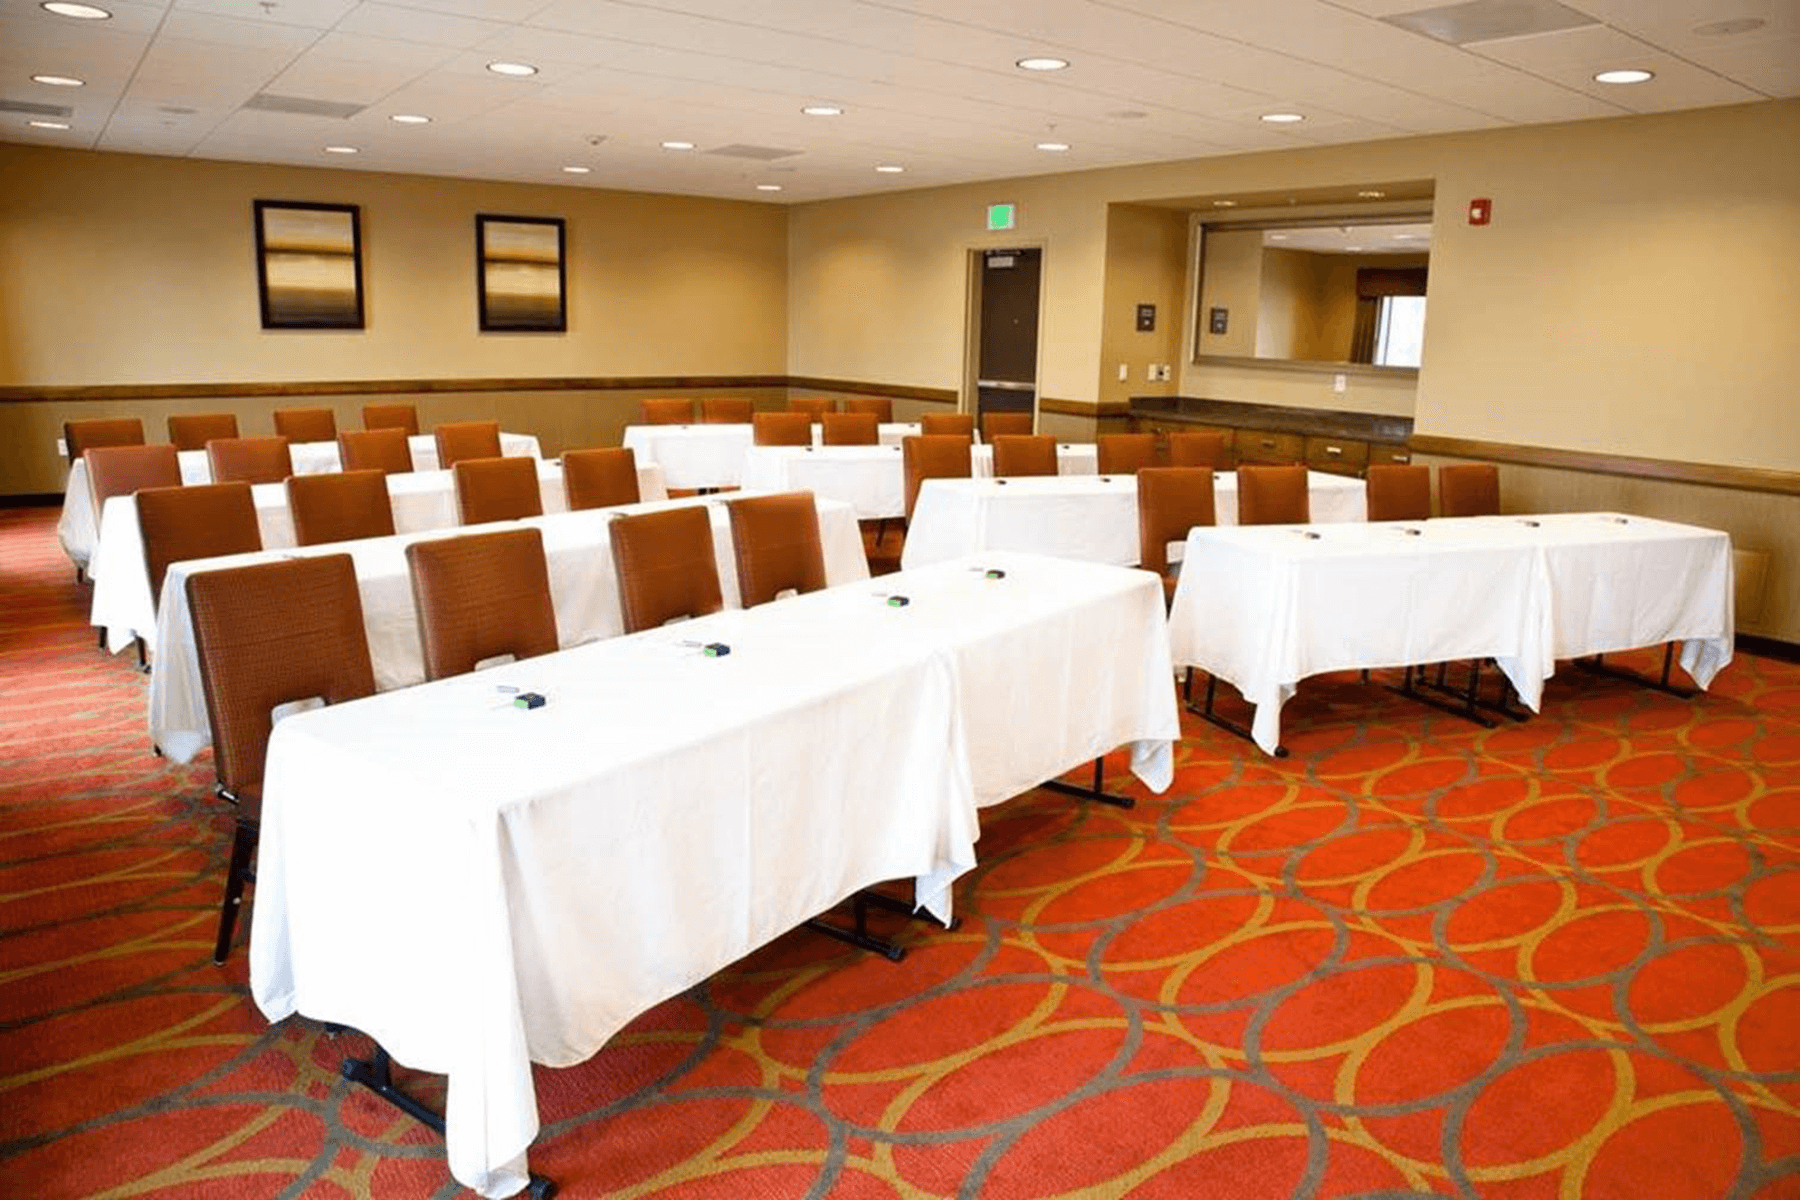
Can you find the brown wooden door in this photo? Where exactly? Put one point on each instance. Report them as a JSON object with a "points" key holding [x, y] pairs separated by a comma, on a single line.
{"points": [[1006, 374]]}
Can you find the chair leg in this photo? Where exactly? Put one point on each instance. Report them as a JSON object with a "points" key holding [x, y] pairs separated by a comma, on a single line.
{"points": [[142, 655], [880, 530], [243, 845]]}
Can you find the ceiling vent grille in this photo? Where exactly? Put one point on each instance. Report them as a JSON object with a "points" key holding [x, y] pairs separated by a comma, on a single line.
{"points": [[759, 153], [33, 109], [302, 106], [1490, 20]]}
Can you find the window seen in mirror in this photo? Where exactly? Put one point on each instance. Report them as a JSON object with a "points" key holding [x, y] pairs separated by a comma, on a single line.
{"points": [[1400, 338]]}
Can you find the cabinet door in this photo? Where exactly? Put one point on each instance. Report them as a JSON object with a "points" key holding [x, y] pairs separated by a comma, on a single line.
{"points": [[1339, 456], [1389, 452], [1262, 446]]}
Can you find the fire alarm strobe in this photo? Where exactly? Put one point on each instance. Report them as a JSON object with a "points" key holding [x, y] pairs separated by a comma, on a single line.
{"points": [[1480, 211]]}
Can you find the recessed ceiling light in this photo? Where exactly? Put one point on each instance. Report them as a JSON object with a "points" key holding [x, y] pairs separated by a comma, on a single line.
{"points": [[1053, 147], [1353, 247], [890, 168], [1282, 118], [576, 170], [1406, 237], [517, 70], [81, 12], [410, 119], [1224, 203], [1278, 237], [48, 124], [1627, 75], [768, 187], [823, 110], [678, 145], [1370, 194], [1042, 63], [59, 80], [341, 150]]}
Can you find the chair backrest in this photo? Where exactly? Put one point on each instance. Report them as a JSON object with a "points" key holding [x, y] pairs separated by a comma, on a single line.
{"points": [[813, 406], [458, 440], [272, 634], [934, 456], [1398, 493], [391, 416], [943, 424], [385, 450], [1024, 454], [191, 431], [104, 431], [1198, 450], [249, 460], [782, 429], [306, 424], [775, 541], [1126, 453], [481, 596], [1469, 490], [1005, 424], [600, 478], [1171, 501], [664, 561], [1272, 496], [497, 489], [851, 429], [340, 507], [203, 520], [122, 470], [726, 410], [676, 411], [881, 406]]}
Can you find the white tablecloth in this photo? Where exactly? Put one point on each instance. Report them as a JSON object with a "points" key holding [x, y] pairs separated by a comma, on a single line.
{"points": [[77, 529], [421, 500], [1072, 458], [1072, 516], [871, 479], [583, 589], [710, 456], [588, 859], [1264, 608]]}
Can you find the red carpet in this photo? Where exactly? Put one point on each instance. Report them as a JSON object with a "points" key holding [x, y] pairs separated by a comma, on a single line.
{"points": [[1556, 960]]}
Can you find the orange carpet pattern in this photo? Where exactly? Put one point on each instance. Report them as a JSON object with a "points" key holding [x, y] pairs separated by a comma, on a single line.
{"points": [[1555, 960]]}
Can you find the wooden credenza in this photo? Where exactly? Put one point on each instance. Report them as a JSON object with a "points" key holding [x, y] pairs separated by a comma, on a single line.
{"points": [[1342, 443]]}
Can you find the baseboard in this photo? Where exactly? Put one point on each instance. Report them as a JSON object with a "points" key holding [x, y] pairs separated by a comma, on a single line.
{"points": [[1768, 647]]}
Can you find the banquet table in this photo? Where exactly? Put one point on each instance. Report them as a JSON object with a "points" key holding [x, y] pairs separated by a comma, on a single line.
{"points": [[1091, 517], [77, 528], [712, 456], [421, 501], [589, 858], [1264, 608], [583, 590], [1072, 458]]}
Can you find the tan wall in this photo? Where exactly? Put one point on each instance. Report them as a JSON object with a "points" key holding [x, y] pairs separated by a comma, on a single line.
{"points": [[1231, 279], [1284, 298], [1146, 263], [128, 269]]}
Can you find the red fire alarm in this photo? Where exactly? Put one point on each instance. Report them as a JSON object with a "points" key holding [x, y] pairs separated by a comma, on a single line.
{"points": [[1480, 211]]}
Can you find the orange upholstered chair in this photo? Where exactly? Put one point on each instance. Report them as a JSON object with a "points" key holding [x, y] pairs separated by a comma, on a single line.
{"points": [[391, 416], [122, 470], [199, 521], [306, 424], [600, 478], [947, 424], [668, 412], [851, 429], [726, 410], [1005, 424], [386, 450], [191, 431], [1398, 493], [775, 541], [813, 406], [1171, 501], [481, 596], [881, 406], [665, 565], [934, 456], [1198, 450], [105, 431], [1273, 496], [458, 440], [497, 489], [1469, 490], [249, 460], [1126, 453], [340, 507], [1024, 454], [782, 429]]}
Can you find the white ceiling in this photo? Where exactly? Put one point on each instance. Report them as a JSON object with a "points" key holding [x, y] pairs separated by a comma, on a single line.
{"points": [[1352, 239], [927, 84]]}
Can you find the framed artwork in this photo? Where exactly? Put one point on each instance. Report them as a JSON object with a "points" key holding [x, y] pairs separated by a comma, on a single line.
{"points": [[519, 275], [309, 265]]}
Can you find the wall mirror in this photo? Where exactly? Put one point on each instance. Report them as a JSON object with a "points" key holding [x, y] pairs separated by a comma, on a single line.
{"points": [[1339, 291]]}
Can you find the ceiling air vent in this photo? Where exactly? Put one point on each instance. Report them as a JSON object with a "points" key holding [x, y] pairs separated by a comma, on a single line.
{"points": [[1490, 20], [31, 109], [301, 106], [759, 153]]}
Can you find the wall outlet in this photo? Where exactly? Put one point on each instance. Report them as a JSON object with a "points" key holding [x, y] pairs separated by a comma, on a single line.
{"points": [[1150, 372], [1339, 383], [1165, 372], [1124, 372]]}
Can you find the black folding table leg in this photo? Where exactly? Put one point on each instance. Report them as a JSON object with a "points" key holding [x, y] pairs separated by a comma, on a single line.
{"points": [[1599, 666], [1096, 792], [1226, 723]]}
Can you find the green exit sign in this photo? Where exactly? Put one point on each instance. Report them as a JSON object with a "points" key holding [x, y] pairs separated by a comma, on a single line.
{"points": [[1002, 216]]}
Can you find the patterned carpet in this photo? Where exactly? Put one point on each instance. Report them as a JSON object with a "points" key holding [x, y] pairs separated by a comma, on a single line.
{"points": [[1558, 959]]}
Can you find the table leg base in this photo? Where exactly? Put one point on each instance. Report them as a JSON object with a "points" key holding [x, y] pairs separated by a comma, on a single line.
{"points": [[859, 935], [376, 1074], [1597, 665], [1464, 707], [1503, 706], [1096, 792], [1206, 712]]}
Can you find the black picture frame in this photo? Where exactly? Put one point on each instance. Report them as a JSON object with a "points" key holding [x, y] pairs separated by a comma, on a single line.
{"points": [[309, 268], [514, 251]]}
